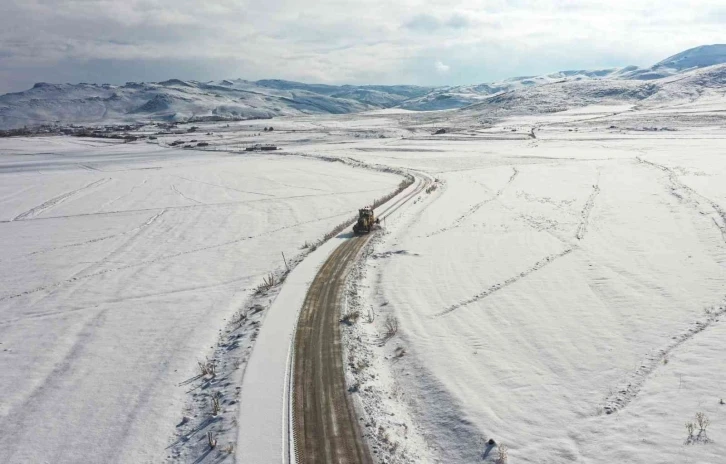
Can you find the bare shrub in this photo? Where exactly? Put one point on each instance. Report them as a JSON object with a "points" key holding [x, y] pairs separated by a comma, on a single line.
{"points": [[503, 455], [702, 422], [267, 283], [215, 405], [229, 449], [689, 430], [240, 317], [207, 368], [391, 326], [390, 329], [351, 318], [211, 440]]}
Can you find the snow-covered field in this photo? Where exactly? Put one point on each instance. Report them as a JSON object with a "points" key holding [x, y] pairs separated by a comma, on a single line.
{"points": [[564, 295], [120, 265]]}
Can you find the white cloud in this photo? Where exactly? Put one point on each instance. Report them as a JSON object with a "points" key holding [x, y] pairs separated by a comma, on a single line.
{"points": [[342, 41], [441, 68]]}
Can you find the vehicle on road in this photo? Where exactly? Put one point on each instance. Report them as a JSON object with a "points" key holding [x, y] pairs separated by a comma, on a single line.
{"points": [[366, 221]]}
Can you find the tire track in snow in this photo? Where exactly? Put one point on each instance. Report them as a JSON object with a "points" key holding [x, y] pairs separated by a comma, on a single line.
{"points": [[57, 200], [136, 231], [103, 206], [458, 221], [629, 389], [173, 187], [159, 259], [686, 194], [203, 205], [88, 167], [99, 239], [499, 286], [141, 296], [225, 187], [585, 215]]}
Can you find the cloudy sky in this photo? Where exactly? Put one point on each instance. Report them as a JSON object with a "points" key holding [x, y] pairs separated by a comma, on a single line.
{"points": [[426, 42]]}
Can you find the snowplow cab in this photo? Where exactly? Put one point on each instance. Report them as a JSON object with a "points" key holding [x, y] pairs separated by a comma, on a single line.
{"points": [[365, 222]]}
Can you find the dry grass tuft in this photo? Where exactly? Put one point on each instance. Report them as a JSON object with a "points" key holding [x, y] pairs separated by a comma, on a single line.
{"points": [[215, 405], [267, 283], [351, 318]]}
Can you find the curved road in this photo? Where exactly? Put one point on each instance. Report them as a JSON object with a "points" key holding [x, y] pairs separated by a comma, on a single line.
{"points": [[324, 417]]}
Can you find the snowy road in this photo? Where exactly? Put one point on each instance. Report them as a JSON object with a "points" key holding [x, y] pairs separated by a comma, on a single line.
{"points": [[326, 425], [325, 420]]}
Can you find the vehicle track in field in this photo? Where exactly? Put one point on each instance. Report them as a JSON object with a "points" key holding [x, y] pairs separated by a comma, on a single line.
{"points": [[195, 206], [570, 247], [629, 388], [686, 194], [82, 276], [459, 221], [57, 200], [586, 210], [499, 286]]}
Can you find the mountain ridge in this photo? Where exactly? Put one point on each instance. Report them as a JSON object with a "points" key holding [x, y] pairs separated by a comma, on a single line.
{"points": [[239, 99]]}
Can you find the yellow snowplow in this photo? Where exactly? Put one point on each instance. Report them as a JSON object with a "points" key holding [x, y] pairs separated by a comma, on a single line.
{"points": [[366, 221]]}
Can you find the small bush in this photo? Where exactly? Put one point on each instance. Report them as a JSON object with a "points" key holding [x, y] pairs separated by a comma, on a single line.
{"points": [[701, 423], [207, 368], [351, 318], [215, 405], [240, 317], [211, 440], [267, 283], [503, 455], [689, 429], [390, 329]]}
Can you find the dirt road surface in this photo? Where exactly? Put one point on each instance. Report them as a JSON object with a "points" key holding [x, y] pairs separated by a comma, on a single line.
{"points": [[327, 428], [325, 419]]}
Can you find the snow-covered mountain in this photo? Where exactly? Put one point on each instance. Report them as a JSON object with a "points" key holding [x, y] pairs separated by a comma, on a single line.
{"points": [[687, 75], [698, 57], [177, 100], [457, 97], [707, 82], [576, 87]]}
